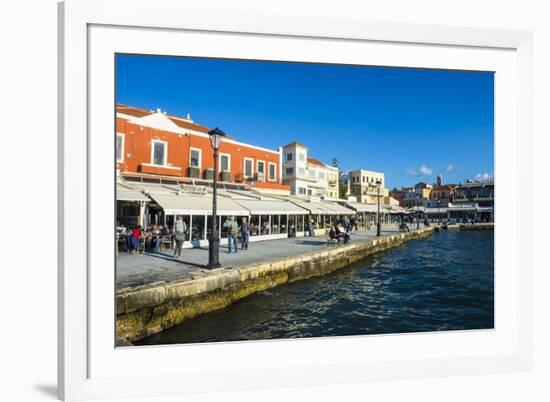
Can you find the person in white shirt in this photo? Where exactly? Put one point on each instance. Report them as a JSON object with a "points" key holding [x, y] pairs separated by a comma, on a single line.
{"points": [[179, 232]]}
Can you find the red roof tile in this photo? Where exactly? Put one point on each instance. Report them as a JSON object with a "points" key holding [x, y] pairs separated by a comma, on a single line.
{"points": [[314, 161], [295, 143], [180, 122]]}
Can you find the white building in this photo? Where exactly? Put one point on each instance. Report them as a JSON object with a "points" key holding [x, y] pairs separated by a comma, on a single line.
{"points": [[362, 185], [305, 175]]}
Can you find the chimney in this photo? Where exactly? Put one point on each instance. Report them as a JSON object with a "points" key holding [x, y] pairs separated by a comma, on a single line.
{"points": [[188, 116]]}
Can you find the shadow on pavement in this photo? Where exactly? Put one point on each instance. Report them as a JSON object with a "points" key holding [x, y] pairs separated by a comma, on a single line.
{"points": [[173, 259], [311, 242]]}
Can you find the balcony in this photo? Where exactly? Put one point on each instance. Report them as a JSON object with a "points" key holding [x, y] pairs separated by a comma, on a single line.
{"points": [[193, 172]]}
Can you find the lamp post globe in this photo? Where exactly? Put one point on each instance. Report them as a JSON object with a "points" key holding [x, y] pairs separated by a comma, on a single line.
{"points": [[216, 138], [378, 226]]}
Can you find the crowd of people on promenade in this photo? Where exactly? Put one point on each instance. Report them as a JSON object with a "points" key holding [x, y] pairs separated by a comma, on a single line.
{"points": [[135, 239], [138, 239]]}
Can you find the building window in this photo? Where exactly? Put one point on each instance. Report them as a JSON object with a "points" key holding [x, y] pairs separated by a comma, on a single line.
{"points": [[159, 152], [260, 168], [302, 190], [225, 162], [322, 175], [289, 156], [272, 171], [312, 173], [308, 191], [301, 157], [289, 171], [120, 148], [365, 179], [301, 171], [248, 167], [195, 157]]}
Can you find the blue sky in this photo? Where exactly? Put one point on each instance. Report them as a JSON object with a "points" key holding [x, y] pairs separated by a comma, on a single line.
{"points": [[410, 124]]}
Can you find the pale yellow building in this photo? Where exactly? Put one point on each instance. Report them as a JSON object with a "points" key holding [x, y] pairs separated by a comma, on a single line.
{"points": [[363, 186]]}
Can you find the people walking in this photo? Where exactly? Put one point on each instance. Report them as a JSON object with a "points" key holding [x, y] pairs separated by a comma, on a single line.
{"points": [[232, 229], [345, 223], [245, 232], [310, 227], [353, 224], [180, 229]]}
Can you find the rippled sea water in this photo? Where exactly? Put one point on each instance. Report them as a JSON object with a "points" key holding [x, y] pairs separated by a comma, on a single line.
{"points": [[444, 282]]}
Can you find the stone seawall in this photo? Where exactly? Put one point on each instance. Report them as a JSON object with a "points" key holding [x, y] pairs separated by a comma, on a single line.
{"points": [[146, 310], [477, 226], [467, 226]]}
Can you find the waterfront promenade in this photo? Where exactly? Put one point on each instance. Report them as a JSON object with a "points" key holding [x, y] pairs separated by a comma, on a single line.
{"points": [[139, 270], [157, 292]]}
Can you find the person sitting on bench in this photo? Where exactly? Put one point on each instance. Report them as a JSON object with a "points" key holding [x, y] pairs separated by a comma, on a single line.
{"points": [[341, 233], [332, 235]]}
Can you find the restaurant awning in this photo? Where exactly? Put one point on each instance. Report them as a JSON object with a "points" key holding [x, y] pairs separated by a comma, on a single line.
{"points": [[125, 193], [435, 211], [313, 207], [462, 209], [271, 207], [396, 210], [337, 209], [186, 204], [361, 207]]}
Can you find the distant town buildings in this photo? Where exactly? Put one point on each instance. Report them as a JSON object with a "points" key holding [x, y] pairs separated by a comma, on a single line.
{"points": [[472, 200], [444, 193], [308, 176], [417, 195], [480, 193], [363, 186]]}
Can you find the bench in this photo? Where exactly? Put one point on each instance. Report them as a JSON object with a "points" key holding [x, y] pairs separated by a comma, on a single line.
{"points": [[332, 240]]}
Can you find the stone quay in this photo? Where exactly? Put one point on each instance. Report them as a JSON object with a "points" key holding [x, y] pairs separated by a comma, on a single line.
{"points": [[161, 296]]}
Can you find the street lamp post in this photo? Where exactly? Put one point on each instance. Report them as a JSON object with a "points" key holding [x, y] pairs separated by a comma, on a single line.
{"points": [[438, 211], [417, 214], [216, 138], [378, 229]]}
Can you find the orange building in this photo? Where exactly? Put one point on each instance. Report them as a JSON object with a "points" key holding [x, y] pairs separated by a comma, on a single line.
{"points": [[154, 143]]}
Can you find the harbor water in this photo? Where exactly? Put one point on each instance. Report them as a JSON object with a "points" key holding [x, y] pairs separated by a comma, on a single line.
{"points": [[444, 282]]}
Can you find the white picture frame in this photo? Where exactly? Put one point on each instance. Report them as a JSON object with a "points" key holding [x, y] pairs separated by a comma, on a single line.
{"points": [[80, 28]]}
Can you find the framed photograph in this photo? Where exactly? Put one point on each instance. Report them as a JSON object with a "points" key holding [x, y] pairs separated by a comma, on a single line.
{"points": [[255, 201]]}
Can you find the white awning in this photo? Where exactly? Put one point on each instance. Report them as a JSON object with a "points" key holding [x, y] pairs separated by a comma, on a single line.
{"points": [[337, 209], [435, 211], [271, 207], [184, 204], [314, 207], [463, 209], [124, 193], [395, 209], [361, 207]]}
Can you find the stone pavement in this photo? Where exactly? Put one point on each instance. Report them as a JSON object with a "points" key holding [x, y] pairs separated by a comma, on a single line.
{"points": [[134, 270]]}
